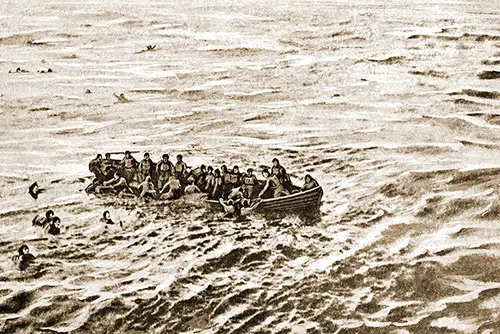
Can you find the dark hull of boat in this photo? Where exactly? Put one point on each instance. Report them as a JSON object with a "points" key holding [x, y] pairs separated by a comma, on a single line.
{"points": [[302, 201]]}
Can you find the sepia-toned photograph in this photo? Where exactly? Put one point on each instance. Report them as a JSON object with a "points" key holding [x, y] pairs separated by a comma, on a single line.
{"points": [[251, 166]]}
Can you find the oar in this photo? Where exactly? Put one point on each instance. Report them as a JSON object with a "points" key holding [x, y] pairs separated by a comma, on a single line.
{"points": [[123, 152]]}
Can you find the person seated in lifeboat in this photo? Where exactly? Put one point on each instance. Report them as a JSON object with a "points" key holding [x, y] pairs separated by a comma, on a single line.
{"points": [[164, 170], [281, 174], [118, 185], [274, 184], [232, 180], [128, 166], [181, 170], [147, 189], [249, 181], [191, 188], [309, 183], [146, 168], [216, 191], [172, 189]]}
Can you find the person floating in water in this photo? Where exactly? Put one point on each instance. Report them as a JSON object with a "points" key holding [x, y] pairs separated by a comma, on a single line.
{"points": [[309, 183], [121, 98], [41, 221], [231, 208], [106, 219], [34, 190], [53, 227], [238, 208], [24, 258]]}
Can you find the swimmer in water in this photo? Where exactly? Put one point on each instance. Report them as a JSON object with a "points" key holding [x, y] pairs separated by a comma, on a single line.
{"points": [[24, 258], [53, 227], [238, 208], [247, 207], [34, 190], [106, 219], [121, 98], [232, 208], [42, 221]]}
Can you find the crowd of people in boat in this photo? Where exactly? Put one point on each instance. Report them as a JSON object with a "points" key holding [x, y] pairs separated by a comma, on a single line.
{"points": [[238, 193], [168, 180]]}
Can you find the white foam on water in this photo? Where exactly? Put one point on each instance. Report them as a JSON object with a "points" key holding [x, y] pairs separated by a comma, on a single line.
{"points": [[454, 323], [252, 93]]}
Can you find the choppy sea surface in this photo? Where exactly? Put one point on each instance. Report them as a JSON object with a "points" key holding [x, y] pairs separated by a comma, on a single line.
{"points": [[393, 106]]}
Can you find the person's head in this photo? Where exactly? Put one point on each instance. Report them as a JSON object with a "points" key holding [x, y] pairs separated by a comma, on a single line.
{"points": [[146, 156], [275, 171], [179, 157], [165, 157], [210, 169], [127, 154], [276, 162], [106, 215], [190, 180], [56, 222], [99, 156], [49, 214], [23, 250], [249, 171], [308, 178], [236, 169], [203, 168], [223, 168], [107, 155], [34, 187], [266, 173], [217, 172]]}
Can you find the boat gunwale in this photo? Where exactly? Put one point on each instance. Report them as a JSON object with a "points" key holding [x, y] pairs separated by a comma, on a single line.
{"points": [[278, 199]]}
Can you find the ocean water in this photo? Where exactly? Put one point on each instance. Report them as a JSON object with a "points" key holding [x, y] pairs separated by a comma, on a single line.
{"points": [[393, 106]]}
